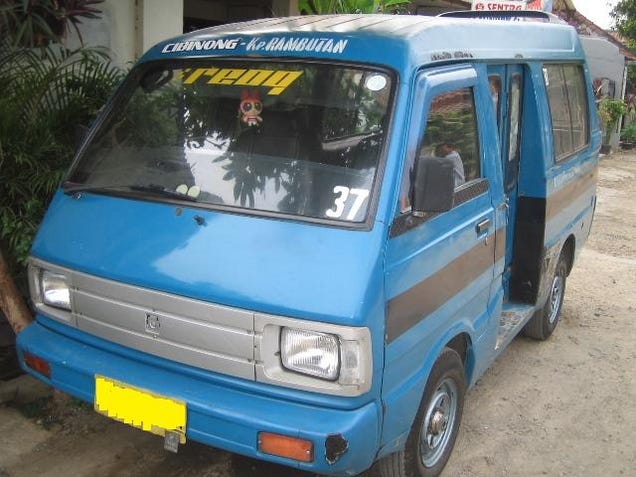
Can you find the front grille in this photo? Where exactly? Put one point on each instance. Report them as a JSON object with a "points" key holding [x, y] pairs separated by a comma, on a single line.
{"points": [[193, 332]]}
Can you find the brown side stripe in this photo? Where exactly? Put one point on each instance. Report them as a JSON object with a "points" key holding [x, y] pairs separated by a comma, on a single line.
{"points": [[568, 194], [409, 308]]}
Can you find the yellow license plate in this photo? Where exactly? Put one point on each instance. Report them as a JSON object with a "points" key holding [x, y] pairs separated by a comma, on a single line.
{"points": [[139, 408]]}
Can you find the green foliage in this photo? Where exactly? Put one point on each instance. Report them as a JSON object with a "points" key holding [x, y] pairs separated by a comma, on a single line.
{"points": [[609, 112], [628, 134], [46, 93], [30, 23], [318, 7], [624, 15]]}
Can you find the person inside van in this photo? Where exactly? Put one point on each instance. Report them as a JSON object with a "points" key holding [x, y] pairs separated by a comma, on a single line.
{"points": [[447, 150]]}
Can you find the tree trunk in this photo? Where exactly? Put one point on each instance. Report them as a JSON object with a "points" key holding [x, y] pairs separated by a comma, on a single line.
{"points": [[11, 301]]}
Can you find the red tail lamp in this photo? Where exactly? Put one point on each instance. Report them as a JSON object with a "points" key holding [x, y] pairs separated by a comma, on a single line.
{"points": [[37, 364], [285, 446]]}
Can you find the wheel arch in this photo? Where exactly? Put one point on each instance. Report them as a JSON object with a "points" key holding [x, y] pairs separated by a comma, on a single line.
{"points": [[463, 346], [391, 458], [568, 250], [407, 398]]}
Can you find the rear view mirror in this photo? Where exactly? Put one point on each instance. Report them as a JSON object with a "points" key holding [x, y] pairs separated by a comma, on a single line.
{"points": [[433, 185], [155, 79]]}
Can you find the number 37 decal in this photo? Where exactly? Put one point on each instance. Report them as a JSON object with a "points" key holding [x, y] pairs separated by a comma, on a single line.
{"points": [[341, 202]]}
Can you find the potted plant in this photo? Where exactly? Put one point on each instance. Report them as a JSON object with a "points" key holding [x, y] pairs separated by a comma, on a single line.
{"points": [[610, 111]]}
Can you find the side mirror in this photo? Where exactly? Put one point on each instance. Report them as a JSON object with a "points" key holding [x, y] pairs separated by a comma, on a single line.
{"points": [[433, 185]]}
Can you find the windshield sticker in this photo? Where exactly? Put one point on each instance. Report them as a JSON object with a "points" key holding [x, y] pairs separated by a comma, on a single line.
{"points": [[277, 80], [375, 82], [300, 44], [193, 191], [360, 195], [220, 44]]}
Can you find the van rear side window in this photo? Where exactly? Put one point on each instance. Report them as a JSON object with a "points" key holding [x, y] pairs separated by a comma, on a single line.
{"points": [[568, 106]]}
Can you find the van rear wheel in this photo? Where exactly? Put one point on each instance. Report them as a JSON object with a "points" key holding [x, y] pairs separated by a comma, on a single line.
{"points": [[545, 320], [436, 424]]}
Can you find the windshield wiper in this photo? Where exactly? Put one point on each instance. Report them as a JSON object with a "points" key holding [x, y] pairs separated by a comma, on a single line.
{"points": [[152, 189]]}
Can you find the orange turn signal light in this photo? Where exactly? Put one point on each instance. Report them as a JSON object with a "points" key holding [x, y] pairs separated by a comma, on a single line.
{"points": [[37, 364], [285, 446]]}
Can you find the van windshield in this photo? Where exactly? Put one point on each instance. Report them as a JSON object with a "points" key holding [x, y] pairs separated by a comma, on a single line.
{"points": [[294, 138]]}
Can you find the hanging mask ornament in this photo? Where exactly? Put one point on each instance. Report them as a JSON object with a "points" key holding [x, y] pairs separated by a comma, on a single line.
{"points": [[251, 107]]}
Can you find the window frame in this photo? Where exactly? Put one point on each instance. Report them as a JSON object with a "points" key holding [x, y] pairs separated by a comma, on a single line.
{"points": [[465, 190], [429, 82]]}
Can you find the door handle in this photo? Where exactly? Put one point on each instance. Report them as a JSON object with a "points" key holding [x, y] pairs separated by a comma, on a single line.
{"points": [[482, 226]]}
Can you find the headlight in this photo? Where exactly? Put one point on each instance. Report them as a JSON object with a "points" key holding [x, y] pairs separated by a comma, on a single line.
{"points": [[315, 354], [54, 290]]}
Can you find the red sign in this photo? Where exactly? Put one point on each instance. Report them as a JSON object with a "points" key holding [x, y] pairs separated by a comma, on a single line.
{"points": [[512, 5], [486, 6]]}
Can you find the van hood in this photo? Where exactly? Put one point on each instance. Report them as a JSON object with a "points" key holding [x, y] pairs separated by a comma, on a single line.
{"points": [[282, 267]]}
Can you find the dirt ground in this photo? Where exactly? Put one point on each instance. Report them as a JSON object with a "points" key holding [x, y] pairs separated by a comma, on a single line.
{"points": [[565, 407]]}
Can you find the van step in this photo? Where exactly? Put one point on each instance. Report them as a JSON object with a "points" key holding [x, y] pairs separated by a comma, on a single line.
{"points": [[513, 317]]}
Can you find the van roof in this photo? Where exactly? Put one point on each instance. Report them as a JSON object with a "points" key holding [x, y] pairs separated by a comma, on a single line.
{"points": [[392, 40]]}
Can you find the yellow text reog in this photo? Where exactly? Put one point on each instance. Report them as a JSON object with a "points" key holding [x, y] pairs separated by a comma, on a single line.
{"points": [[277, 80]]}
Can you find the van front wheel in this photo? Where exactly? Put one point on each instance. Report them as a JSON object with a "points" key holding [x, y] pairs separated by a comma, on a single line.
{"points": [[436, 424]]}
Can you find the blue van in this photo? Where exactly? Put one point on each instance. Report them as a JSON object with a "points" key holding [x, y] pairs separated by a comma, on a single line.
{"points": [[303, 239]]}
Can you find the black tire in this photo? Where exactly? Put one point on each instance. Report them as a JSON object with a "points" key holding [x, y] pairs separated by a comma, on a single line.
{"points": [[417, 459], [546, 319]]}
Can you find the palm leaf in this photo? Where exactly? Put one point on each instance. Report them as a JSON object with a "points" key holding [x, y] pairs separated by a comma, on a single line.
{"points": [[46, 92]]}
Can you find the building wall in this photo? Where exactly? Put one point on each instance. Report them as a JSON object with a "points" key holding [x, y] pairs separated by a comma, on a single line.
{"points": [[113, 31], [606, 63], [605, 60], [127, 28], [157, 20]]}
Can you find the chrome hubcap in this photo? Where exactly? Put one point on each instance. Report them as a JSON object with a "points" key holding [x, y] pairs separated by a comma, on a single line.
{"points": [[439, 421], [556, 295]]}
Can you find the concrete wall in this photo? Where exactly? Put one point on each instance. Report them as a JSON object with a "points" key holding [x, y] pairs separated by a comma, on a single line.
{"points": [[604, 59], [157, 20], [128, 28]]}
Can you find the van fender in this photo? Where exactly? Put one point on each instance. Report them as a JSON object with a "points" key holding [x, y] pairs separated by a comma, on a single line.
{"points": [[401, 405], [549, 262]]}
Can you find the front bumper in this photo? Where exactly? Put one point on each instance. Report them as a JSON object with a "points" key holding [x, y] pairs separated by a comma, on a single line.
{"points": [[220, 415]]}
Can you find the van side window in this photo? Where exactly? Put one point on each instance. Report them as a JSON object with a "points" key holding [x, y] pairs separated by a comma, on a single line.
{"points": [[451, 131], [568, 106]]}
